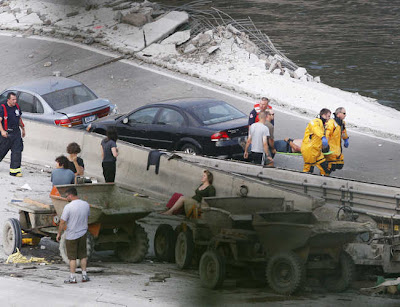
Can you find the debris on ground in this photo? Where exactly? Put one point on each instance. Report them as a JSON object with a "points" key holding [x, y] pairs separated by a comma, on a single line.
{"points": [[391, 286], [19, 258], [160, 277]]}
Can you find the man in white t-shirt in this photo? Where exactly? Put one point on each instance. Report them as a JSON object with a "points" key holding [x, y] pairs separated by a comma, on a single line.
{"points": [[258, 138], [75, 216]]}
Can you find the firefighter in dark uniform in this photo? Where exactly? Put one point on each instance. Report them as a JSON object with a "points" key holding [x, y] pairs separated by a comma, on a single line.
{"points": [[11, 126]]}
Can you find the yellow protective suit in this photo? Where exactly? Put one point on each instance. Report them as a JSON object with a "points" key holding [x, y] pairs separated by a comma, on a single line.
{"points": [[311, 147], [335, 133]]}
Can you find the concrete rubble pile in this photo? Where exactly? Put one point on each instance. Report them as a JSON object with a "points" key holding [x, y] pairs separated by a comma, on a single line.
{"points": [[142, 29]]}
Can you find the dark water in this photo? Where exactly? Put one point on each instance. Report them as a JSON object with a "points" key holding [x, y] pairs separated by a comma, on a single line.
{"points": [[352, 45]]}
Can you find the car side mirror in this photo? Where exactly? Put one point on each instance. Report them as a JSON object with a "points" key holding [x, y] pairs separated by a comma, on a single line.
{"points": [[125, 120]]}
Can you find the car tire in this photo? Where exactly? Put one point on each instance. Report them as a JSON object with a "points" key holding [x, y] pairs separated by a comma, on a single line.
{"points": [[190, 149]]}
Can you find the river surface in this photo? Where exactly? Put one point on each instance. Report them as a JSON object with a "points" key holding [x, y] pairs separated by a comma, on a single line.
{"points": [[352, 45]]}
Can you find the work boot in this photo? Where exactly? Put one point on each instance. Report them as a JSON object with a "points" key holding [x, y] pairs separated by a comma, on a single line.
{"points": [[16, 174], [85, 278], [71, 280]]}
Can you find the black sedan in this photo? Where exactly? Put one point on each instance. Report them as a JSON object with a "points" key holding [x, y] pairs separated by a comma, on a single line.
{"points": [[194, 125]]}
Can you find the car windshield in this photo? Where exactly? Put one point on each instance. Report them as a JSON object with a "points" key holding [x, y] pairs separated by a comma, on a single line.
{"points": [[68, 97], [216, 113]]}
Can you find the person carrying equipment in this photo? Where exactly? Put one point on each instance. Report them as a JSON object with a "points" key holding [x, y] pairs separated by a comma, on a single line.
{"points": [[314, 141], [335, 132], [11, 126]]}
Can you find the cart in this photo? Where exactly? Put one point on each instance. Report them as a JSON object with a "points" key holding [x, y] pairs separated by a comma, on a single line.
{"points": [[183, 239], [288, 246], [112, 220]]}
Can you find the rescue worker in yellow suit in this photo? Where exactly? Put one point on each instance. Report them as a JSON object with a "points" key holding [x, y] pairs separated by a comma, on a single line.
{"points": [[313, 141], [335, 131]]}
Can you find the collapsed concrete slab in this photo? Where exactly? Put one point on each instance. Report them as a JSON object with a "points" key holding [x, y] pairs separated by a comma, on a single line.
{"points": [[160, 29], [31, 19], [134, 40], [7, 18], [178, 38]]}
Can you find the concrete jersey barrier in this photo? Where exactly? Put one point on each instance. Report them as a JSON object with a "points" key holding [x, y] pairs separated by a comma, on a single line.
{"points": [[44, 143]]}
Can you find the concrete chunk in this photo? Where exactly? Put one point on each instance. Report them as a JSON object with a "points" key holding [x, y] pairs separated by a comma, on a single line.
{"points": [[212, 49], [300, 72], [189, 48], [178, 38], [160, 29], [233, 29], [159, 50], [204, 39], [136, 19], [6, 18]]}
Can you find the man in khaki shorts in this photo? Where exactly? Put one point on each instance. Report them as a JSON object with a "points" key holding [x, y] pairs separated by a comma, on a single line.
{"points": [[75, 216]]}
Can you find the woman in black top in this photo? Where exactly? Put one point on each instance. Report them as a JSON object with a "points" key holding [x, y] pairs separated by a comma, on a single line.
{"points": [[206, 189], [109, 153], [76, 164]]}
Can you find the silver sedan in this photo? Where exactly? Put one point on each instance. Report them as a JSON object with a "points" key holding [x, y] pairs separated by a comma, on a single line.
{"points": [[60, 101]]}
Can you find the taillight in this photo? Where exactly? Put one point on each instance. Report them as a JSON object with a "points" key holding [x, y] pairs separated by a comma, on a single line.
{"points": [[76, 120], [63, 122], [103, 112], [219, 136]]}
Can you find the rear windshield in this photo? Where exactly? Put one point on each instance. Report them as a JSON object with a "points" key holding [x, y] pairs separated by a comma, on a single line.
{"points": [[68, 97], [216, 113]]}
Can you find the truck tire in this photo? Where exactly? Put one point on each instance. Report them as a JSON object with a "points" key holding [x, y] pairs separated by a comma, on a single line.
{"points": [[12, 236], [286, 273], [184, 249], [136, 249], [212, 270], [89, 248], [164, 243], [342, 277]]}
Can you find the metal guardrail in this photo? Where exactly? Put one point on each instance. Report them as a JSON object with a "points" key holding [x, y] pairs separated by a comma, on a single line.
{"points": [[363, 201]]}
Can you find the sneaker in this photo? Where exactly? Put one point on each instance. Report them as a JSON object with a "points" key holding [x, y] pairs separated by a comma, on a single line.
{"points": [[85, 278], [71, 280]]}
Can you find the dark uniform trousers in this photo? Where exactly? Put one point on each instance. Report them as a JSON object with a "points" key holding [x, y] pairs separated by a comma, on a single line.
{"points": [[14, 143]]}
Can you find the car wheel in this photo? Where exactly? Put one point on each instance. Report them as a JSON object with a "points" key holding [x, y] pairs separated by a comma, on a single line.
{"points": [[190, 149]]}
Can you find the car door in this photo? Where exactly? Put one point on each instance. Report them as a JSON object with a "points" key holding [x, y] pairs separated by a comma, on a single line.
{"points": [[167, 129], [31, 107], [135, 127]]}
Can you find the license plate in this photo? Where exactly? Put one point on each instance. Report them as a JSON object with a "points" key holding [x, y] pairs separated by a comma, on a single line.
{"points": [[89, 119]]}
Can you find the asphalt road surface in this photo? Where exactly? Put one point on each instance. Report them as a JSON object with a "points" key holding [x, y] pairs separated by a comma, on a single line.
{"points": [[131, 84]]}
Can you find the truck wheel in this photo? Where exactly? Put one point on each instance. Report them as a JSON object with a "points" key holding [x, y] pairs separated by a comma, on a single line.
{"points": [[12, 236], [164, 243], [89, 248], [184, 249], [212, 270], [136, 249], [342, 277], [286, 273]]}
